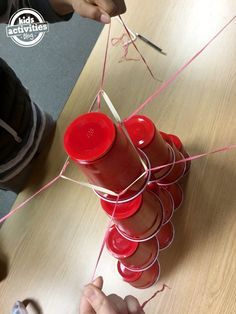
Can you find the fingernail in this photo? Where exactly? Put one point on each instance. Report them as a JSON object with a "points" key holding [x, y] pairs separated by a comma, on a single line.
{"points": [[89, 293], [97, 279], [105, 19]]}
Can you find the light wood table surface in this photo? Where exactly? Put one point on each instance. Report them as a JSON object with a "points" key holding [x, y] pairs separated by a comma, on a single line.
{"points": [[52, 244]]}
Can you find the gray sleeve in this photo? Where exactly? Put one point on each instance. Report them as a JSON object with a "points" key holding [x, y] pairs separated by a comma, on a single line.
{"points": [[8, 7]]}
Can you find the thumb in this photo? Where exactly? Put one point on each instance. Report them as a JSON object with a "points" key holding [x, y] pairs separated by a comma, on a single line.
{"points": [[98, 300], [98, 282], [86, 9], [85, 307]]}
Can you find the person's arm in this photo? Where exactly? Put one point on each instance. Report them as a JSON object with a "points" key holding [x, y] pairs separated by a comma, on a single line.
{"points": [[99, 10], [95, 301], [62, 10], [8, 7]]}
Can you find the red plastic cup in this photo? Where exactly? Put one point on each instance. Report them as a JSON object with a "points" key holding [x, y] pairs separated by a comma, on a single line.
{"points": [[178, 170], [138, 219], [166, 235], [166, 200], [177, 194], [179, 145], [147, 176], [174, 139], [133, 255], [140, 279], [104, 153], [165, 137], [145, 136]]}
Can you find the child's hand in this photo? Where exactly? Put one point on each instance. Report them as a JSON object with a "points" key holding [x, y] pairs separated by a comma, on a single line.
{"points": [[95, 301]]}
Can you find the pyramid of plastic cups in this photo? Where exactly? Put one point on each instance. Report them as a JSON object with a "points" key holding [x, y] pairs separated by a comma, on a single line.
{"points": [[142, 213]]}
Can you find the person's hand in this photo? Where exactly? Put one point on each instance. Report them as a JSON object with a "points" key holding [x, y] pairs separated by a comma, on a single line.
{"points": [[99, 10], [95, 301]]}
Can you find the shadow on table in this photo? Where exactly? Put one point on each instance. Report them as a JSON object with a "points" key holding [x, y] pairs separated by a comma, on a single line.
{"points": [[3, 266], [40, 164], [200, 215], [34, 305], [41, 158]]}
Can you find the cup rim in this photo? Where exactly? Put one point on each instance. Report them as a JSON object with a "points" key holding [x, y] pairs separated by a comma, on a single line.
{"points": [[172, 166], [141, 240], [179, 178], [173, 207], [151, 264], [189, 161], [182, 197]]}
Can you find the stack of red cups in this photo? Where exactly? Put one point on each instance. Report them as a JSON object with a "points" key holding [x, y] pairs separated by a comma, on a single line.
{"points": [[142, 214]]}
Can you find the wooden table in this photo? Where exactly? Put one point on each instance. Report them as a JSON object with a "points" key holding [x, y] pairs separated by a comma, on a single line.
{"points": [[52, 244]]}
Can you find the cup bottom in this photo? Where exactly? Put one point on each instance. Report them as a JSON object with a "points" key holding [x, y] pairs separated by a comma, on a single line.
{"points": [[188, 163], [176, 179]]}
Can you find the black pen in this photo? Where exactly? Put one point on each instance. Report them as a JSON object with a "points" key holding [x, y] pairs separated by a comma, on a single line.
{"points": [[150, 43]]}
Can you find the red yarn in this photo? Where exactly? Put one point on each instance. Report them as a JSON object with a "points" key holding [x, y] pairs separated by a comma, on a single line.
{"points": [[154, 295]]}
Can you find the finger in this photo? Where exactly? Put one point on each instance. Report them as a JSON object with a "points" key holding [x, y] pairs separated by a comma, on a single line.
{"points": [[121, 5], [85, 306], [133, 305], [109, 6], [112, 7], [91, 11], [98, 300], [118, 303], [98, 282]]}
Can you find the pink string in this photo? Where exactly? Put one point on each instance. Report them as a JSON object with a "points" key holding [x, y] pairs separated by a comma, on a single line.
{"points": [[43, 188], [105, 238], [135, 46], [218, 150], [176, 74], [123, 41], [154, 295], [104, 67]]}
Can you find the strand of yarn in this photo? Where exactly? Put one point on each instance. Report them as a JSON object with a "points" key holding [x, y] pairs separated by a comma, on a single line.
{"points": [[178, 72], [139, 52], [104, 67], [43, 188], [154, 295], [104, 238], [125, 45]]}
